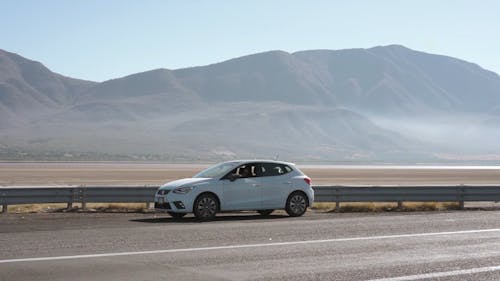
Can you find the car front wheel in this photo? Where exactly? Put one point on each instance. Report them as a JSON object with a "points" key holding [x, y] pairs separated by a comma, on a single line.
{"points": [[296, 204], [205, 207]]}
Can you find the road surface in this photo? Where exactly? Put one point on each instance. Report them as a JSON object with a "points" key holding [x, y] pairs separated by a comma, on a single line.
{"points": [[453, 245]]}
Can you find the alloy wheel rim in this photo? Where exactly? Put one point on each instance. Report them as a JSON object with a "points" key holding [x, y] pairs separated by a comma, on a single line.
{"points": [[207, 207], [297, 204]]}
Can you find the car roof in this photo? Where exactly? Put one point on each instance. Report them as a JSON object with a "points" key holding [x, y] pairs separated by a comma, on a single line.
{"points": [[260, 161]]}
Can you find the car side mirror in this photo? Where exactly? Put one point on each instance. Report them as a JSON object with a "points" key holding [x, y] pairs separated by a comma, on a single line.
{"points": [[233, 177]]}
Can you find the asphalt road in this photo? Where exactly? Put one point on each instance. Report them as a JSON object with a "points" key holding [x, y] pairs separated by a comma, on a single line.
{"points": [[454, 245]]}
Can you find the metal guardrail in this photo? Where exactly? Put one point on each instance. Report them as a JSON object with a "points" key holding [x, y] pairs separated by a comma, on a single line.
{"points": [[437, 193], [337, 194], [70, 195]]}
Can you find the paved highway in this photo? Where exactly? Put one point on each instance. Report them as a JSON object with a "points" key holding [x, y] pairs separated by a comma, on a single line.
{"points": [[454, 245]]}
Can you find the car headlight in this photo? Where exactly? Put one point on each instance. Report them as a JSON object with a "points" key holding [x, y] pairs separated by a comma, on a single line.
{"points": [[183, 190], [162, 192]]}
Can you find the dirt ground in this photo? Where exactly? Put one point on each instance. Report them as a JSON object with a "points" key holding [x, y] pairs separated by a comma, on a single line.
{"points": [[92, 174]]}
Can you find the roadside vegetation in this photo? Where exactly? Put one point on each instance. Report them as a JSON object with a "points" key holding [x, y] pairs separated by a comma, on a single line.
{"points": [[91, 207], [386, 207], [323, 207]]}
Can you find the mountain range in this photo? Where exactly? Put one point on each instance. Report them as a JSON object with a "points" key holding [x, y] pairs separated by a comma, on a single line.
{"points": [[386, 103]]}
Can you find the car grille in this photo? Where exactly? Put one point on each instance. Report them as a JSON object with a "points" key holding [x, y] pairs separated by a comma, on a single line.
{"points": [[162, 206]]}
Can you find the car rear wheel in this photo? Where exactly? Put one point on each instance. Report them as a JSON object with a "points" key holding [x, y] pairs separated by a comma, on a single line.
{"points": [[205, 207], [176, 215], [265, 212], [296, 204]]}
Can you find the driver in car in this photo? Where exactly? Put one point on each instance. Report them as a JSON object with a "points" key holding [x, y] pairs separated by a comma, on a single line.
{"points": [[246, 172]]}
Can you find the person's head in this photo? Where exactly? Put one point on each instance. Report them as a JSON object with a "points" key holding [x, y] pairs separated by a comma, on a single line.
{"points": [[246, 171]]}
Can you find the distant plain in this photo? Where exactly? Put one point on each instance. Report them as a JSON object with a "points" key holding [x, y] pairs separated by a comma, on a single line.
{"points": [[108, 173]]}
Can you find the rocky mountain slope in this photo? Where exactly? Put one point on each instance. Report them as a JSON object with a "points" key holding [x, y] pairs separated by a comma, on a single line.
{"points": [[318, 105]]}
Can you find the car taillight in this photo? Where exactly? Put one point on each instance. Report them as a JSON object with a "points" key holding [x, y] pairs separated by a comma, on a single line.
{"points": [[308, 181]]}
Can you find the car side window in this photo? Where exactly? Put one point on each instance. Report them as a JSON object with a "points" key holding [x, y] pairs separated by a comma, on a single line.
{"points": [[248, 170], [273, 169]]}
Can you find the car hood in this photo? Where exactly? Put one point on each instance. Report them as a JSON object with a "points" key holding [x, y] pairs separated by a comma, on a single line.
{"points": [[185, 182]]}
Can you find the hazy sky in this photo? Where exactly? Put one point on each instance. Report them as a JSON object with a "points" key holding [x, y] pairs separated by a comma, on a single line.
{"points": [[104, 39]]}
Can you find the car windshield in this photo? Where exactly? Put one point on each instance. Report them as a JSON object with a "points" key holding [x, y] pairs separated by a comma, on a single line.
{"points": [[216, 171]]}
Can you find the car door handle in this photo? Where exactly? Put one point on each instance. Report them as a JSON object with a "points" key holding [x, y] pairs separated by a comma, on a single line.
{"points": [[255, 184], [287, 182]]}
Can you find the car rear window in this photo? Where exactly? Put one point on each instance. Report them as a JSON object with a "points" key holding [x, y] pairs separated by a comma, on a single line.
{"points": [[273, 169]]}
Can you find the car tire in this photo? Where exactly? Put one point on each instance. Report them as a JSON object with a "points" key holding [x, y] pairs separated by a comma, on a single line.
{"points": [[265, 212], [176, 215], [296, 204], [205, 207]]}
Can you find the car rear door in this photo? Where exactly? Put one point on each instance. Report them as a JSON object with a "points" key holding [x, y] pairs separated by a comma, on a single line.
{"points": [[276, 185]]}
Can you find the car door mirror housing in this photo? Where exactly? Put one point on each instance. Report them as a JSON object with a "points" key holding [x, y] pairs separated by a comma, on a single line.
{"points": [[233, 177]]}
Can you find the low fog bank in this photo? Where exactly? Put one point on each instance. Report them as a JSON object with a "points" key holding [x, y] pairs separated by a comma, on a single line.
{"points": [[453, 137]]}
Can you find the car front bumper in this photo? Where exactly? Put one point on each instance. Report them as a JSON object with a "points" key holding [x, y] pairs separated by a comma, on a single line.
{"points": [[171, 202]]}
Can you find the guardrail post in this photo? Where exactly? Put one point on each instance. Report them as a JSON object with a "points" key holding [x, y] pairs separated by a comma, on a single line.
{"points": [[461, 204], [337, 200], [72, 199], [82, 198], [400, 205], [148, 205], [5, 209]]}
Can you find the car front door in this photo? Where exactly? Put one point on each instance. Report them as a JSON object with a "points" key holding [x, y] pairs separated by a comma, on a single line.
{"points": [[241, 191]]}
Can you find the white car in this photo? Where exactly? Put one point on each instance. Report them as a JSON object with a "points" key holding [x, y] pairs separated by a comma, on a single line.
{"points": [[262, 186]]}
